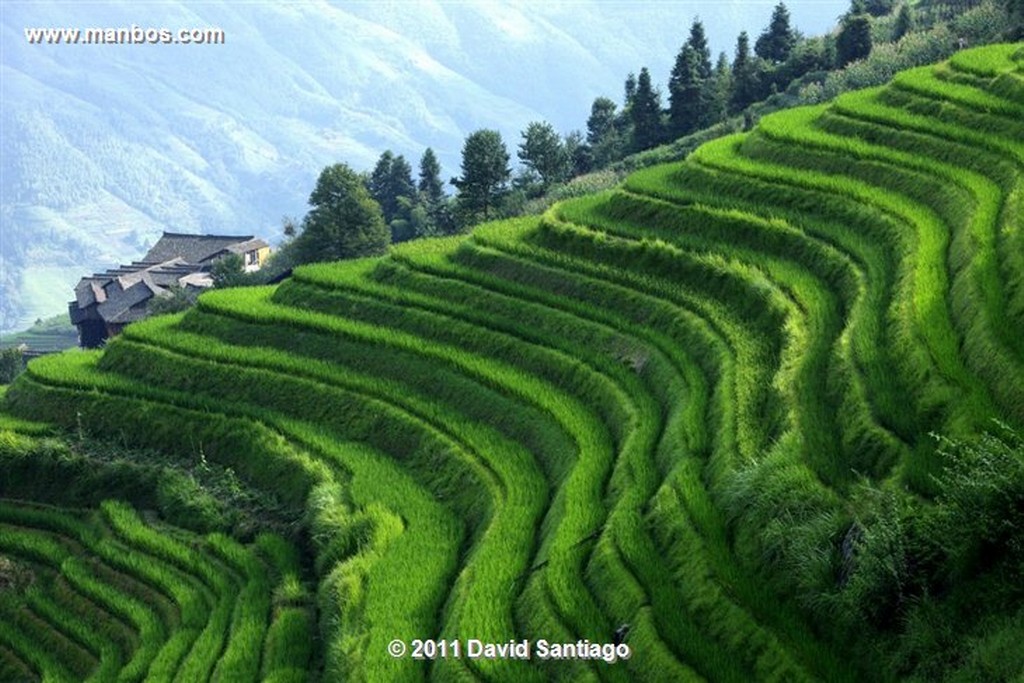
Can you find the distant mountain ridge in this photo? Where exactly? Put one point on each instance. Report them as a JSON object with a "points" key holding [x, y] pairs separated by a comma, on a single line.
{"points": [[105, 146]]}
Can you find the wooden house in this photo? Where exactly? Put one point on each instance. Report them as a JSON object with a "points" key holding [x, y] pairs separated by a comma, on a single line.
{"points": [[106, 302]]}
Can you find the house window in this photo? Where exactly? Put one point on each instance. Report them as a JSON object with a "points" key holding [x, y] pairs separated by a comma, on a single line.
{"points": [[252, 258]]}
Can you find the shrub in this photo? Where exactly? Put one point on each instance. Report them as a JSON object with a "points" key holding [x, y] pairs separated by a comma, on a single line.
{"points": [[983, 24], [980, 522], [886, 561]]}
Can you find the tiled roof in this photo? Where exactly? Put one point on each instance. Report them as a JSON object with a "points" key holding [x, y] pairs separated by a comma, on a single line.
{"points": [[192, 248], [118, 295], [250, 245], [89, 291], [96, 288], [120, 300]]}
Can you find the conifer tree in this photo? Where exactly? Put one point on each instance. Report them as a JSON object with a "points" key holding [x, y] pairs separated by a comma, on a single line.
{"points": [[430, 185], [698, 41], [686, 111], [379, 185], [433, 215], [744, 76], [402, 196], [854, 39], [721, 86], [629, 91], [401, 184], [390, 184], [646, 113], [690, 87], [779, 39]]}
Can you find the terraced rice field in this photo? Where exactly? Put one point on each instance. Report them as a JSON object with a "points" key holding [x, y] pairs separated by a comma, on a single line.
{"points": [[101, 595], [651, 407]]}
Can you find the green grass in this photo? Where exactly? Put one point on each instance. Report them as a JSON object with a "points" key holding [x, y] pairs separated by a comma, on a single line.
{"points": [[485, 300], [116, 599], [700, 404]]}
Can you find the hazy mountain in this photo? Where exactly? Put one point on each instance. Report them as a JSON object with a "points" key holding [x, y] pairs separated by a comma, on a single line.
{"points": [[104, 146]]}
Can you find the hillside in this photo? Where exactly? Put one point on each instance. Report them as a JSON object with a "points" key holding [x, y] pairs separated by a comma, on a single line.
{"points": [[104, 146], [700, 405]]}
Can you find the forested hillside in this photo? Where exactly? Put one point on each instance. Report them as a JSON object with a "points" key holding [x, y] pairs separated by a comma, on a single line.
{"points": [[755, 414]]}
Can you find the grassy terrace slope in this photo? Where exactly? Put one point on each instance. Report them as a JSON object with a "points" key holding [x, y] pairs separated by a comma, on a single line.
{"points": [[675, 406], [101, 595]]}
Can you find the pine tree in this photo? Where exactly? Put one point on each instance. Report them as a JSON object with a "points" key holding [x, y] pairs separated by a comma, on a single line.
{"points": [[698, 41], [430, 185], [646, 114], [854, 39], [744, 76], [690, 88], [686, 110], [401, 184], [629, 91], [431, 214], [379, 185], [404, 199], [721, 86], [778, 40], [390, 184]]}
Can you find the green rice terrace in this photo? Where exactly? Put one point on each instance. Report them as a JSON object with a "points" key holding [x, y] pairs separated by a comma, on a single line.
{"points": [[761, 407]]}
